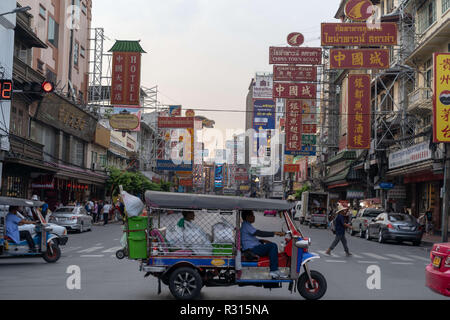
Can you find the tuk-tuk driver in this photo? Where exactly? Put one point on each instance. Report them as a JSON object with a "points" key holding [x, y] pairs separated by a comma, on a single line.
{"points": [[12, 223], [260, 247]]}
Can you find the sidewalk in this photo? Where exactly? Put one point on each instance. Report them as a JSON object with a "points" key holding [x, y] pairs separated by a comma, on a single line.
{"points": [[430, 240]]}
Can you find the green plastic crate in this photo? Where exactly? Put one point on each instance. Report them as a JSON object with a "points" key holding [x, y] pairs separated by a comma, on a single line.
{"points": [[137, 223], [222, 249], [137, 247]]}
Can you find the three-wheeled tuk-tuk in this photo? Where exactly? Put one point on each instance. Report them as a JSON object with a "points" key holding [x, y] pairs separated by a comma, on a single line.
{"points": [[45, 241], [188, 254]]}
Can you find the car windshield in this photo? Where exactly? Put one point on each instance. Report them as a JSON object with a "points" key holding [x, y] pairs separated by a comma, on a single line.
{"points": [[65, 210], [372, 213], [397, 217]]}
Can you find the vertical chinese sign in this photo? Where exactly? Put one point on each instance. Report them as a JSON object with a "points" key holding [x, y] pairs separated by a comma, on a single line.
{"points": [[359, 108], [293, 126], [441, 103], [126, 76]]}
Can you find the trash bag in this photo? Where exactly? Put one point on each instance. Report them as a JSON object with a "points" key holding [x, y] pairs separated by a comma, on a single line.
{"points": [[133, 204], [223, 232]]}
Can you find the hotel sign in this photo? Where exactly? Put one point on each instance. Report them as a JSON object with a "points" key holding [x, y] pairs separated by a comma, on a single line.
{"points": [[414, 154]]}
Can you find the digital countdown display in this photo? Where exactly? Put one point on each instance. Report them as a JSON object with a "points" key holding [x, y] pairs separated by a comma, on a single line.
{"points": [[6, 89]]}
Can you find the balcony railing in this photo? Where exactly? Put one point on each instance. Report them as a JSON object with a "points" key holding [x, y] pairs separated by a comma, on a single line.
{"points": [[420, 100], [24, 148]]}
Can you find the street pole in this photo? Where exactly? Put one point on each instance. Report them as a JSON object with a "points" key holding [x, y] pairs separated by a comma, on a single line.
{"points": [[446, 205]]}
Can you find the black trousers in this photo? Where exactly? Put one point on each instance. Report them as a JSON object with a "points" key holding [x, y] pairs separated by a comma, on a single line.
{"points": [[26, 235], [340, 238], [105, 218]]}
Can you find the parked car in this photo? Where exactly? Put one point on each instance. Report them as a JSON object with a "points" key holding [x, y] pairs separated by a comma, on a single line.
{"points": [[361, 221], [73, 218], [437, 273], [395, 226]]}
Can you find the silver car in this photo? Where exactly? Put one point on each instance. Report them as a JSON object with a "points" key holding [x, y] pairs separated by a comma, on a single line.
{"points": [[73, 218], [361, 221]]}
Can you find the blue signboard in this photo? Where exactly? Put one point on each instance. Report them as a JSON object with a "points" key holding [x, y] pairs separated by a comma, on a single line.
{"points": [[218, 177], [169, 165], [307, 151], [386, 185], [264, 115]]}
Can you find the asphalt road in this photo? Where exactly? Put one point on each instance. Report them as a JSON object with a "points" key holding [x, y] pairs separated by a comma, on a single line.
{"points": [[104, 277]]}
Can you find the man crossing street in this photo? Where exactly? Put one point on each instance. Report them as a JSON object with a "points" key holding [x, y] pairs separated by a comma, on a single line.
{"points": [[340, 226]]}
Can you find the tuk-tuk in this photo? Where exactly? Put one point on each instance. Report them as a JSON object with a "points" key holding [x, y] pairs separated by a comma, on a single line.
{"points": [[41, 233], [206, 252]]}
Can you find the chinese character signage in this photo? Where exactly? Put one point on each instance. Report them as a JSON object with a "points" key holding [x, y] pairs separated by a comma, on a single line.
{"points": [[264, 115], [359, 34], [291, 55], [295, 91], [294, 73], [359, 108], [126, 78], [291, 168], [293, 127], [441, 101], [359, 59], [309, 112]]}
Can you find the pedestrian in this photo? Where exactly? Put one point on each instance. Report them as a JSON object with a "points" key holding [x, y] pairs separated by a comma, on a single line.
{"points": [[99, 210], [44, 208], [95, 211], [106, 209], [429, 221], [340, 225]]}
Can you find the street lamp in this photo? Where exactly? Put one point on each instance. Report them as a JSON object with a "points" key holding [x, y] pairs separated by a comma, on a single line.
{"points": [[17, 10]]}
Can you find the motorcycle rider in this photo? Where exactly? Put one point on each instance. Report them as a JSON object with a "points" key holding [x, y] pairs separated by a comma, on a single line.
{"points": [[12, 223]]}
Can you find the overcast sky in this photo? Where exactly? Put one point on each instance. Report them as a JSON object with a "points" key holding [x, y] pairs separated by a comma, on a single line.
{"points": [[202, 54]]}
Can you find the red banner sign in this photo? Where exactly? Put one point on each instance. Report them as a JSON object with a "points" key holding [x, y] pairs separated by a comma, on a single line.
{"points": [[175, 122], [295, 91], [288, 55], [359, 59], [359, 34], [309, 128], [293, 127], [126, 78], [186, 182], [359, 118], [294, 73], [291, 168]]}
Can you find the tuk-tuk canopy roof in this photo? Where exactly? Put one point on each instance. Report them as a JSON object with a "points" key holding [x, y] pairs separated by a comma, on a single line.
{"points": [[168, 200], [17, 202]]}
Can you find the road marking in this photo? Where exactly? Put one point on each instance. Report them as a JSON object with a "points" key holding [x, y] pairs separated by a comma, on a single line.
{"points": [[402, 263], [355, 256], [92, 255], [99, 244], [89, 250], [340, 261], [114, 249], [64, 250], [375, 256], [419, 258], [368, 262], [395, 256]]}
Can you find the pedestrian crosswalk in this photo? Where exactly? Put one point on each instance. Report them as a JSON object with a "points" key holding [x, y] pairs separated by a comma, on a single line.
{"points": [[101, 251], [372, 258]]}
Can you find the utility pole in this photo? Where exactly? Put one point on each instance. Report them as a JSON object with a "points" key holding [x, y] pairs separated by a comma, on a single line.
{"points": [[446, 206]]}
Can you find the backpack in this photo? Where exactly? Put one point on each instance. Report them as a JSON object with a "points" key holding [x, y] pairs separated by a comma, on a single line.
{"points": [[333, 225]]}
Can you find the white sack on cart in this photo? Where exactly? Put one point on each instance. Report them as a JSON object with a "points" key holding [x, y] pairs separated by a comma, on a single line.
{"points": [[223, 232], [197, 239], [175, 237], [133, 204]]}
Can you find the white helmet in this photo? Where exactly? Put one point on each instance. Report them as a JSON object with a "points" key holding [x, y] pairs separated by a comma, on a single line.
{"points": [[35, 198]]}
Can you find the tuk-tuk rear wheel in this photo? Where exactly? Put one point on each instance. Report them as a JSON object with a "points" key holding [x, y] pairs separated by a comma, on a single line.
{"points": [[318, 288], [185, 283], [53, 255]]}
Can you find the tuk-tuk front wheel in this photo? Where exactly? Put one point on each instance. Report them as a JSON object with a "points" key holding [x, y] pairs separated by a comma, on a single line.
{"points": [[185, 283], [314, 290], [52, 254]]}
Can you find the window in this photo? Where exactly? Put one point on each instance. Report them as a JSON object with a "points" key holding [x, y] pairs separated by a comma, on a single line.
{"points": [[82, 52], [78, 152], [84, 8], [42, 11], [76, 53], [445, 5], [429, 74], [50, 76], [53, 32], [40, 65], [427, 16]]}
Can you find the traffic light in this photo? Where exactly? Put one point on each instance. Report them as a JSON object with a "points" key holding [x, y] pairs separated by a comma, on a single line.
{"points": [[47, 87], [38, 88]]}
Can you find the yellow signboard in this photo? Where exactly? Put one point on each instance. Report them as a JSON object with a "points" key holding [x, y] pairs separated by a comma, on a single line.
{"points": [[441, 103]]}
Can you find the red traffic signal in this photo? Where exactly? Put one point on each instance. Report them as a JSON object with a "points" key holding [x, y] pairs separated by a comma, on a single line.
{"points": [[47, 87]]}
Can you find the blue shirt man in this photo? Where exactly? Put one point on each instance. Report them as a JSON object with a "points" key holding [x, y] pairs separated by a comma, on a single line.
{"points": [[250, 242], [12, 223]]}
